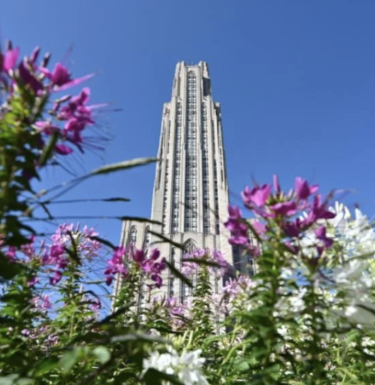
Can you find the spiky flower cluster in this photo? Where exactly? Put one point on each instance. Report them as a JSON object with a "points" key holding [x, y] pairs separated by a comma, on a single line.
{"points": [[192, 262], [151, 264], [69, 115]]}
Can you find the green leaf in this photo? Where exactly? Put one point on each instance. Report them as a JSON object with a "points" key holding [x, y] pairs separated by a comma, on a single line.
{"points": [[138, 337], [69, 359], [102, 354], [123, 165], [9, 380], [199, 261], [46, 366], [48, 150], [178, 274], [8, 270], [139, 219]]}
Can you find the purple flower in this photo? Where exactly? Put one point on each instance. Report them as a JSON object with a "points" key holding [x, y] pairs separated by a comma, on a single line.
{"points": [[34, 55], [237, 228], [9, 59], [292, 248], [155, 254], [46, 127], [293, 229], [284, 208], [257, 196], [234, 212], [42, 303], [190, 268], [303, 190], [46, 303], [158, 280], [11, 254], [62, 149], [320, 233], [56, 278], [96, 305], [27, 75], [139, 256], [259, 227], [116, 265], [319, 211], [61, 78]]}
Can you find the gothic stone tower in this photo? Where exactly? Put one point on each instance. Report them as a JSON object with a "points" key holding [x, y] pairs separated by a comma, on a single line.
{"points": [[190, 195]]}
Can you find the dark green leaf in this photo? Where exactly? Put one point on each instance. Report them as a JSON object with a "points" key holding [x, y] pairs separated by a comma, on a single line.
{"points": [[178, 274], [103, 241], [166, 239], [154, 377], [48, 149], [8, 270], [199, 261]]}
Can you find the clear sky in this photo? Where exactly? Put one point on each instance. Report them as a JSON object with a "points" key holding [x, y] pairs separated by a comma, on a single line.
{"points": [[296, 80]]}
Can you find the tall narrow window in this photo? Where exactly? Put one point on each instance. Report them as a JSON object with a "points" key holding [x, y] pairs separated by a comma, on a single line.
{"points": [[191, 153], [147, 238], [133, 234], [176, 170]]}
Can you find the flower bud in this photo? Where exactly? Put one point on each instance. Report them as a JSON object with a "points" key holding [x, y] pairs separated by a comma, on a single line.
{"points": [[46, 59]]}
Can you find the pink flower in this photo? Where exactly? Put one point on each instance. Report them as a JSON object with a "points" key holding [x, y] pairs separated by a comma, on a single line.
{"points": [[61, 78], [257, 195], [62, 149], [234, 212], [259, 227], [96, 305], [284, 208], [238, 229], [319, 211], [46, 127], [11, 254], [303, 190], [116, 265], [9, 59]]}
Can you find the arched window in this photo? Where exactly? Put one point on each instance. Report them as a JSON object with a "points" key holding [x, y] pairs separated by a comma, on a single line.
{"points": [[133, 235], [147, 238], [189, 246]]}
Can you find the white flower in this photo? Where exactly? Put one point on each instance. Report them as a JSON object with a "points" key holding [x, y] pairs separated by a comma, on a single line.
{"points": [[356, 236], [187, 366]]}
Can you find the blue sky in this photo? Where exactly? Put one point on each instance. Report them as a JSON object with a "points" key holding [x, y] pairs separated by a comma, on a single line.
{"points": [[296, 80]]}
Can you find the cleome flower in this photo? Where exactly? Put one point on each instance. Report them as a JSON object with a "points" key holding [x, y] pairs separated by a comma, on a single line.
{"points": [[187, 366]]}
